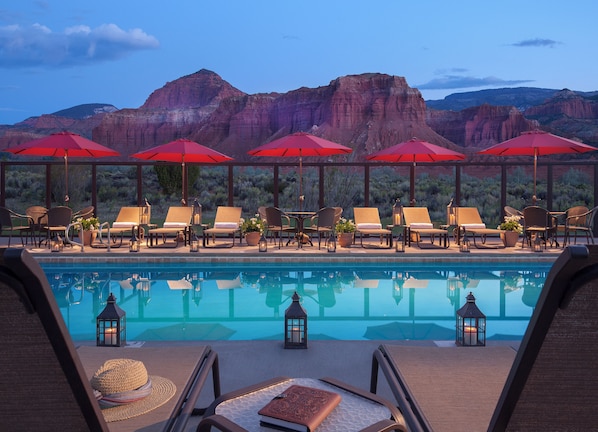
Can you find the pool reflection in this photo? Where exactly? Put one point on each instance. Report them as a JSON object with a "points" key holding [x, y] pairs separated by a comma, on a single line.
{"points": [[341, 302]]}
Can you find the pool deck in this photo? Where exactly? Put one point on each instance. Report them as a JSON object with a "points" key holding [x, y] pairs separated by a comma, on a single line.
{"points": [[246, 362]]}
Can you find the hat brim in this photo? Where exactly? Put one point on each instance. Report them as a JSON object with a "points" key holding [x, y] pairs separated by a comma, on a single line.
{"points": [[162, 391]]}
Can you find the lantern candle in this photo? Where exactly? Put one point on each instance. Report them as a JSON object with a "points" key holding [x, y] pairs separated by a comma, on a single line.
{"points": [[471, 335], [295, 335], [110, 336]]}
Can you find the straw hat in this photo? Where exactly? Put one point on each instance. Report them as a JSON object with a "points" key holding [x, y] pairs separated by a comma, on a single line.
{"points": [[125, 390]]}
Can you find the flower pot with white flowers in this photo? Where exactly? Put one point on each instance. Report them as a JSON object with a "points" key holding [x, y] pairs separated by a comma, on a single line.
{"points": [[252, 229], [512, 229], [345, 231]]}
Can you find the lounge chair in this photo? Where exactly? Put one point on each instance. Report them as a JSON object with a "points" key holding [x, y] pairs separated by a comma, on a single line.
{"points": [[48, 385], [11, 222], [227, 223], [177, 224], [127, 222], [471, 225], [418, 224], [549, 384], [367, 223]]}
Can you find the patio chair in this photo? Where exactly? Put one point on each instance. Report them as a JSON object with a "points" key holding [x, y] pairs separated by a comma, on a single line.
{"points": [[11, 222], [512, 211], [279, 223], [84, 213], [38, 218], [538, 225], [367, 223], [127, 222], [48, 386], [59, 218], [550, 383], [323, 223], [471, 225], [579, 220], [177, 224], [227, 223], [418, 224]]}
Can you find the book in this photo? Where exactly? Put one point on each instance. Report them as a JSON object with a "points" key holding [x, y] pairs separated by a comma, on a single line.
{"points": [[299, 408]]}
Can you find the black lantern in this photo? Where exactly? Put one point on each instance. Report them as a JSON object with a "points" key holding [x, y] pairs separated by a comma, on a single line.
{"points": [[193, 243], [196, 213], [331, 246], [262, 244], [471, 324], [397, 213], [133, 242], [145, 213], [295, 325], [451, 214], [464, 245], [537, 243], [57, 244], [110, 325]]}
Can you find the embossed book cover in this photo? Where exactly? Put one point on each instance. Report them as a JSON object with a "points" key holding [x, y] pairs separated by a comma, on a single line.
{"points": [[299, 408]]}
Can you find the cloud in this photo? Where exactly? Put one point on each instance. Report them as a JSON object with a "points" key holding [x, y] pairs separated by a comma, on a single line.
{"points": [[37, 45], [459, 82], [536, 43]]}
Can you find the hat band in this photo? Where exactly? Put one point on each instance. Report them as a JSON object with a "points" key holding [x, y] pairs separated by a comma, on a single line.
{"points": [[122, 398]]}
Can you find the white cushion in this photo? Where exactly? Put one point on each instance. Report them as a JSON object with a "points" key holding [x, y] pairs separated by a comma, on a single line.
{"points": [[226, 225], [421, 225], [124, 224], [474, 226], [369, 226], [175, 225]]}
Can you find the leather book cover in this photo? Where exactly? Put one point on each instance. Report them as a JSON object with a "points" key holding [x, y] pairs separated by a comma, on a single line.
{"points": [[299, 408]]}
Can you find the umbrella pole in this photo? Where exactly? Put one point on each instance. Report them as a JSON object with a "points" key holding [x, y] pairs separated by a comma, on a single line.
{"points": [[66, 177], [534, 197], [301, 197], [184, 185], [412, 185]]}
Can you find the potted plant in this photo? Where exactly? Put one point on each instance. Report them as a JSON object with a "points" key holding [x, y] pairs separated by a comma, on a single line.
{"points": [[512, 228], [252, 229], [90, 226], [345, 229]]}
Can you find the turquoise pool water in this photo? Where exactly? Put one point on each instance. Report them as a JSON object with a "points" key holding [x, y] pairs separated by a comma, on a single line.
{"points": [[346, 302]]}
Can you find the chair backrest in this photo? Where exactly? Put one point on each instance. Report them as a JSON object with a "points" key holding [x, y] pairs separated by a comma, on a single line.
{"points": [[47, 388], [576, 216], [84, 213], [413, 215], [179, 215], [468, 215], [59, 216], [366, 215], [262, 212], [338, 214], [5, 219], [38, 215], [553, 382], [274, 217], [128, 214], [512, 211], [537, 217], [228, 214], [326, 217]]}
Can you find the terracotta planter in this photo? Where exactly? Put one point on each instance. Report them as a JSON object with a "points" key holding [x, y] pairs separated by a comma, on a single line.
{"points": [[87, 237], [345, 239], [510, 238], [252, 238]]}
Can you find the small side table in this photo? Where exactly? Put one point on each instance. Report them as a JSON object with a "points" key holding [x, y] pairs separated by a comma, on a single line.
{"points": [[359, 410]]}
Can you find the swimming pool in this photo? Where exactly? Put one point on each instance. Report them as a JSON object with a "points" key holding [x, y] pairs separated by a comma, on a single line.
{"points": [[345, 302]]}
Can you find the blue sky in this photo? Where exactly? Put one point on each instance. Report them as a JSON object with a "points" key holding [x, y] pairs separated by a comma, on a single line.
{"points": [[57, 54]]}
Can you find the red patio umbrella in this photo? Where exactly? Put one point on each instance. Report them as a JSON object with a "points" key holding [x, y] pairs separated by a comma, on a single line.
{"points": [[63, 144], [536, 143], [300, 144], [183, 150], [415, 151]]}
